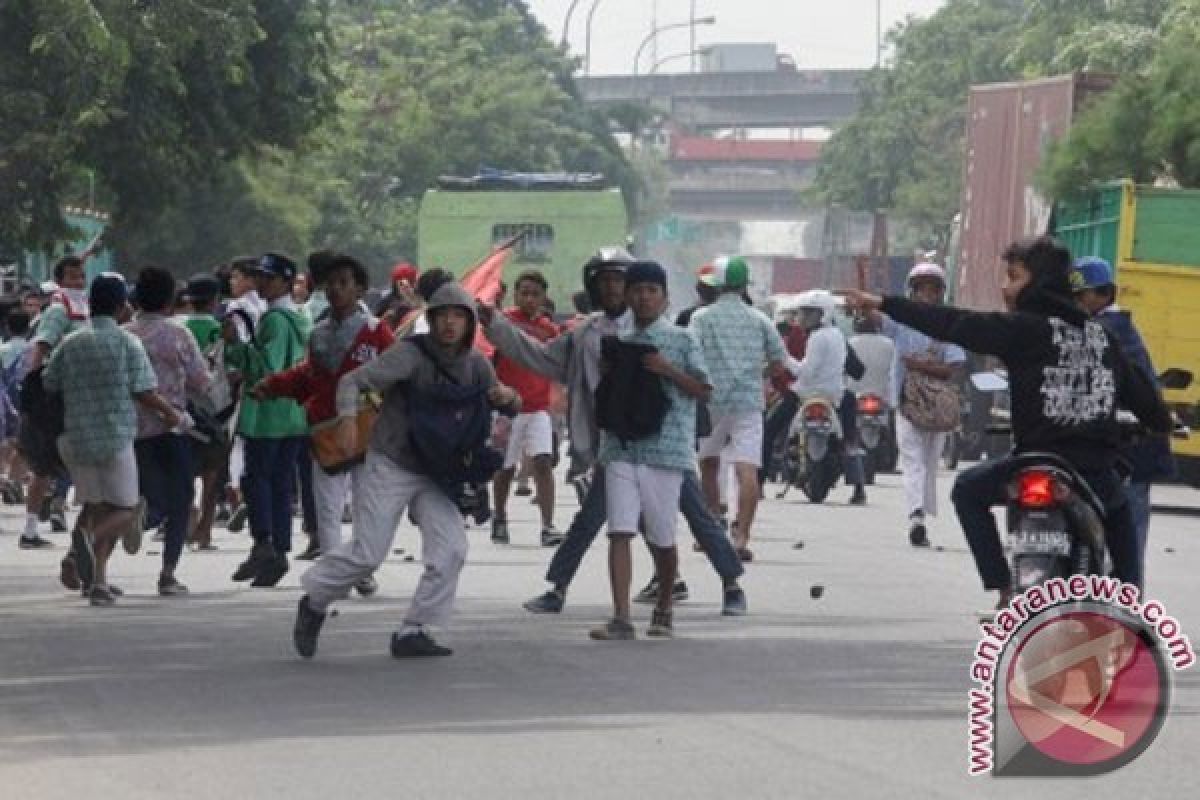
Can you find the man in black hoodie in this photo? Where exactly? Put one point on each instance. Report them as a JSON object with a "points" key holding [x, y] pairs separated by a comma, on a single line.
{"points": [[1067, 377]]}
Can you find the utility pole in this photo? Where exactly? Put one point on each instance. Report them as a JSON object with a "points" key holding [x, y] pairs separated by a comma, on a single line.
{"points": [[692, 32], [878, 33]]}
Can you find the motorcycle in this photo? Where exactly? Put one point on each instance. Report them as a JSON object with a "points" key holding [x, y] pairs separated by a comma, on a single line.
{"points": [[876, 435], [813, 460], [1055, 521]]}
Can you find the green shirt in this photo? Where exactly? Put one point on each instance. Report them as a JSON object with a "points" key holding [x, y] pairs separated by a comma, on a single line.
{"points": [[54, 324], [278, 344], [99, 369], [205, 328]]}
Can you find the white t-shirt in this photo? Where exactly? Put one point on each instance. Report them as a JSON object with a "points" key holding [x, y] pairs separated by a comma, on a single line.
{"points": [[824, 366], [876, 352]]}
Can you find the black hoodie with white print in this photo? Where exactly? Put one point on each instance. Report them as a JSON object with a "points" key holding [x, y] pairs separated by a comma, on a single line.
{"points": [[1067, 376]]}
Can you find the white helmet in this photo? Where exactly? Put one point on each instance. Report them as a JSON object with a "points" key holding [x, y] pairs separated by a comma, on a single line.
{"points": [[820, 300], [926, 270]]}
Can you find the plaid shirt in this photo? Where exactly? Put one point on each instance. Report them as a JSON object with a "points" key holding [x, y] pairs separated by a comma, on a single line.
{"points": [[178, 365], [738, 343], [98, 369], [675, 445]]}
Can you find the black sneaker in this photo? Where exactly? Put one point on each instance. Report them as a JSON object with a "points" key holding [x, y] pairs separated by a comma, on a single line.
{"points": [[417, 645], [102, 597], [734, 603], [58, 521], [170, 587], [551, 537], [549, 603], [367, 586], [260, 554], [222, 517], [500, 531], [113, 589], [68, 573], [650, 594], [270, 572], [523, 491], [237, 520], [312, 552], [917, 535], [859, 498], [35, 543], [307, 628]]}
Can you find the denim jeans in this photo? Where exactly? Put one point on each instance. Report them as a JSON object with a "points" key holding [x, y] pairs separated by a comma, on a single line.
{"points": [[165, 479], [979, 488], [593, 515], [268, 485], [1138, 493], [304, 476]]}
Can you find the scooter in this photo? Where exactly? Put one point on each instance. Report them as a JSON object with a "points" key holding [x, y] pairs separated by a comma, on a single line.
{"points": [[813, 461], [876, 435], [1055, 520]]}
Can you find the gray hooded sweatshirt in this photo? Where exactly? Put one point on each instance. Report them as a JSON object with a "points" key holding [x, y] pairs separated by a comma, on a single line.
{"points": [[402, 363]]}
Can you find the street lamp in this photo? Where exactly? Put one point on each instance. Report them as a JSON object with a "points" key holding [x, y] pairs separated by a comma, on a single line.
{"points": [[566, 31], [654, 69], [637, 56], [587, 45]]}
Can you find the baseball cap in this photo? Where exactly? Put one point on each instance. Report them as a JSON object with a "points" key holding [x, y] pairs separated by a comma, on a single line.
{"points": [[1090, 273], [712, 274], [278, 265], [404, 271], [108, 289], [737, 273], [646, 272], [201, 286]]}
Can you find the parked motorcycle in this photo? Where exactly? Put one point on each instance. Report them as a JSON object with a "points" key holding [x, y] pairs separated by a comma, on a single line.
{"points": [[813, 461]]}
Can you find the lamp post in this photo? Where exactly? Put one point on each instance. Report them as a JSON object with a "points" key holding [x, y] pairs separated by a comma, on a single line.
{"points": [[637, 56], [587, 45], [676, 57], [566, 31]]}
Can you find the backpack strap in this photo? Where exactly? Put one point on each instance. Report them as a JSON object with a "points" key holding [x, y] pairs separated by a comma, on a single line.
{"points": [[421, 341]]}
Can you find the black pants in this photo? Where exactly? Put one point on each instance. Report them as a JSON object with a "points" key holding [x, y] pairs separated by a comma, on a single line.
{"points": [[979, 488], [778, 422]]}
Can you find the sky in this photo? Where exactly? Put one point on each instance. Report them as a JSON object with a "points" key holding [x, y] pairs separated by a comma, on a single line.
{"points": [[817, 33]]}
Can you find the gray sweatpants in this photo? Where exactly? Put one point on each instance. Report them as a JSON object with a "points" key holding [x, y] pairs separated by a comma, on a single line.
{"points": [[383, 492]]}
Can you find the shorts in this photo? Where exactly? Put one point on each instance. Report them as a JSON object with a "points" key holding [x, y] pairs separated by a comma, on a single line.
{"points": [[531, 435], [39, 450], [113, 482], [738, 437], [650, 493]]}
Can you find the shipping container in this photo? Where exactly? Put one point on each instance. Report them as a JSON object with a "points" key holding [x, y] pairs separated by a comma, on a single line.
{"points": [[457, 228], [1152, 237], [1009, 127], [740, 57]]}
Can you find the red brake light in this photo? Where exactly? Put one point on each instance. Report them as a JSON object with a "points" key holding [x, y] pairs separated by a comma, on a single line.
{"points": [[1037, 489], [816, 411], [869, 404]]}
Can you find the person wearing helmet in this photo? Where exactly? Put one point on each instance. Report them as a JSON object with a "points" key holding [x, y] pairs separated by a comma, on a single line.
{"points": [[920, 450], [573, 359], [820, 372], [738, 342]]}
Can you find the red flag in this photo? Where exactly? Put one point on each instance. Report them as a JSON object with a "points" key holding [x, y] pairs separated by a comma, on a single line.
{"points": [[482, 282]]}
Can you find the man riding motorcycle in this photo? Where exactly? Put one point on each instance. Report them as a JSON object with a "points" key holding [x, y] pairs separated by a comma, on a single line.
{"points": [[1067, 378]]}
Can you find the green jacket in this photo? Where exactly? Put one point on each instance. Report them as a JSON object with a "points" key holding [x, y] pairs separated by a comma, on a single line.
{"points": [[278, 344]]}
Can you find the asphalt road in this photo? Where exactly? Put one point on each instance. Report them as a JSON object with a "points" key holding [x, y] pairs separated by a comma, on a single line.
{"points": [[858, 694]]}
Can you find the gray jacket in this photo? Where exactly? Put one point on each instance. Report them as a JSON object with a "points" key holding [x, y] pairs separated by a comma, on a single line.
{"points": [[403, 364], [572, 359]]}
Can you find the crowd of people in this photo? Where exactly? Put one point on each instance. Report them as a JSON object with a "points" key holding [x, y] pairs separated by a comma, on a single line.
{"points": [[282, 392]]}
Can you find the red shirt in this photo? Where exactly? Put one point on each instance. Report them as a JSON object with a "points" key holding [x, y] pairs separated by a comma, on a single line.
{"points": [[315, 387], [794, 341], [533, 388]]}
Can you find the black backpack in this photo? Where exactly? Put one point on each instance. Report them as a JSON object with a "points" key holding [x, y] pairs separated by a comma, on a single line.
{"points": [[449, 424], [45, 409], [631, 401]]}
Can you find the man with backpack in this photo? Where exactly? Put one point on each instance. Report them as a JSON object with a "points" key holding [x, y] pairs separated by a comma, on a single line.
{"points": [[573, 359], [430, 439], [273, 430]]}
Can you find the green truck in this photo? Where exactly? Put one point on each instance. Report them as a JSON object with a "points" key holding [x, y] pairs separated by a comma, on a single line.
{"points": [[1151, 236], [564, 219]]}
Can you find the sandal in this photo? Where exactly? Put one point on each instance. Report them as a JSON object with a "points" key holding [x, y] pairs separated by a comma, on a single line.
{"points": [[745, 554], [660, 624]]}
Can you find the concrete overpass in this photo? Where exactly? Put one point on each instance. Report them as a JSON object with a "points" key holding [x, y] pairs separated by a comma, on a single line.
{"points": [[709, 100]]}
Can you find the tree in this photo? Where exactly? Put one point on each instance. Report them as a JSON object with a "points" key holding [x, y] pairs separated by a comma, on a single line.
{"points": [[150, 97]]}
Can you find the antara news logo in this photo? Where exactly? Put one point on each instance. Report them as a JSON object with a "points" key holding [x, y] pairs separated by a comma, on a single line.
{"points": [[1073, 678]]}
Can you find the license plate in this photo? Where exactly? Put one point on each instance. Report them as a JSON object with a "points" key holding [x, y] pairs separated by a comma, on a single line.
{"points": [[1052, 543]]}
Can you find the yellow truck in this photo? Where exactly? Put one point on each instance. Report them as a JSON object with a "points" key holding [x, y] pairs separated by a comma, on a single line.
{"points": [[1151, 235]]}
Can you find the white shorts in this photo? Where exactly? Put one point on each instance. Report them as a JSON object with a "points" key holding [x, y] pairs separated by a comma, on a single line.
{"points": [[636, 491], [113, 482], [738, 437], [530, 435]]}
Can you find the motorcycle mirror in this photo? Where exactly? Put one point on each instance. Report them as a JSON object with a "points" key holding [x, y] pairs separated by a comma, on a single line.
{"points": [[989, 381], [1176, 378]]}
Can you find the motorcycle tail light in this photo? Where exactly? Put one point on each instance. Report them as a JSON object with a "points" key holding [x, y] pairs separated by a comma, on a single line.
{"points": [[1039, 489], [816, 412], [870, 404]]}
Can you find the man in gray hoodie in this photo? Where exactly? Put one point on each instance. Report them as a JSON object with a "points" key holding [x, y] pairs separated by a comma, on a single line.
{"points": [[574, 359], [395, 477]]}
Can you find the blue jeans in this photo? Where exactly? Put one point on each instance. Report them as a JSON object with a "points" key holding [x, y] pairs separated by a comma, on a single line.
{"points": [[1138, 494], [165, 479], [593, 515], [268, 485], [304, 475], [979, 488]]}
